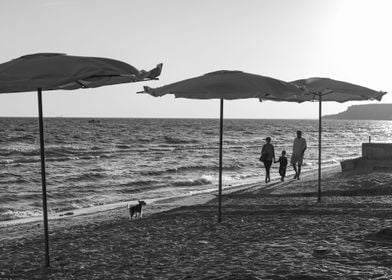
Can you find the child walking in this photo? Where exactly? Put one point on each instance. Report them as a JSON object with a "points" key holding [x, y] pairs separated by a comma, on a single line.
{"points": [[282, 165]]}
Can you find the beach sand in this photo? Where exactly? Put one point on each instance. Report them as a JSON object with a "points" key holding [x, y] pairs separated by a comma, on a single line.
{"points": [[278, 231]]}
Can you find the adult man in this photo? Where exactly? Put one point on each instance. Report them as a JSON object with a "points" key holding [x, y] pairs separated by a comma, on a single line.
{"points": [[297, 157]]}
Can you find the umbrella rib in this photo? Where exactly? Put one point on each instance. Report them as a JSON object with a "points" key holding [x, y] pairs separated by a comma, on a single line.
{"points": [[83, 85]]}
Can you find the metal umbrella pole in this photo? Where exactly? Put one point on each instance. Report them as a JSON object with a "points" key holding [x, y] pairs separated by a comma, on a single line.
{"points": [[43, 175], [319, 152], [220, 163]]}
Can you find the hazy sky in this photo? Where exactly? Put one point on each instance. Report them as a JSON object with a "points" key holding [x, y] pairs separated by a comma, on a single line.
{"points": [[287, 39]]}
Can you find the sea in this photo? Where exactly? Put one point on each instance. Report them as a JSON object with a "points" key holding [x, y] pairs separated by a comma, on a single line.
{"points": [[92, 162]]}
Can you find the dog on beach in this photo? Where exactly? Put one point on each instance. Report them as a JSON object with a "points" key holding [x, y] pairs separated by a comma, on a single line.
{"points": [[135, 210]]}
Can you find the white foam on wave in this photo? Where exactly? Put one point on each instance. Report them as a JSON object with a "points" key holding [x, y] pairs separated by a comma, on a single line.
{"points": [[19, 214]]}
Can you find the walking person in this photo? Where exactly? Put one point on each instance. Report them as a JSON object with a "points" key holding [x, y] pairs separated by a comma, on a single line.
{"points": [[267, 156], [282, 165], [297, 157]]}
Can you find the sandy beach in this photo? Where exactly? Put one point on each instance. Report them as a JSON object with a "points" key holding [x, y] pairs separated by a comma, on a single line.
{"points": [[274, 231]]}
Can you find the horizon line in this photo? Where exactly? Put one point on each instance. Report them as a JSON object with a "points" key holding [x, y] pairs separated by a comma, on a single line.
{"points": [[106, 117]]}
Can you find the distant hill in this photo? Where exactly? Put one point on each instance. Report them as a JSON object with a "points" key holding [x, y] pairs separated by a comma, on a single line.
{"points": [[364, 112]]}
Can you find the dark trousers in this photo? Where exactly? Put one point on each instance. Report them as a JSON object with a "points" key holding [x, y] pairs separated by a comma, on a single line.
{"points": [[267, 165], [282, 171]]}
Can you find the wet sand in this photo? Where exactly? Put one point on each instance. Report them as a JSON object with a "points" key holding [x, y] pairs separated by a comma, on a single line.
{"points": [[278, 231]]}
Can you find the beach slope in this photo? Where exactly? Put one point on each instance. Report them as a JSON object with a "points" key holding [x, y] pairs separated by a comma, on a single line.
{"points": [[277, 231]]}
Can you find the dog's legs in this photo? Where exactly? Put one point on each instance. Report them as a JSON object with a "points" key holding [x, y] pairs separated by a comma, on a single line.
{"points": [[131, 215]]}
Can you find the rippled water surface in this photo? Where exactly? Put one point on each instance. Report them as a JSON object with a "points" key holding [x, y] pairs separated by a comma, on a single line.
{"points": [[92, 162]]}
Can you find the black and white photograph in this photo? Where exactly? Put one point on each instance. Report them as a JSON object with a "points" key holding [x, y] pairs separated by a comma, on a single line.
{"points": [[196, 139]]}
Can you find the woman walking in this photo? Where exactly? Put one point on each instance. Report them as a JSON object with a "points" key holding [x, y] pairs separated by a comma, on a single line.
{"points": [[267, 156]]}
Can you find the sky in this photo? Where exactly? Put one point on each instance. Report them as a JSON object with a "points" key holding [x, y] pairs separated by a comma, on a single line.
{"points": [[346, 40]]}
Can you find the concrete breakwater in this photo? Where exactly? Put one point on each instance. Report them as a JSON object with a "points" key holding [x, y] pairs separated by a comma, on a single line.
{"points": [[375, 156]]}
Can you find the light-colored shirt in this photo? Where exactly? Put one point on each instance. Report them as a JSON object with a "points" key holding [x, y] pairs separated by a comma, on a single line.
{"points": [[299, 146]]}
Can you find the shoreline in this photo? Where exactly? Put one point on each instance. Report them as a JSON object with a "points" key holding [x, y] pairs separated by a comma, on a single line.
{"points": [[273, 231], [33, 226], [113, 206]]}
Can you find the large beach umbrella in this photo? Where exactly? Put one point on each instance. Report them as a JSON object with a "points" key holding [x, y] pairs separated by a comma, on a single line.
{"points": [[228, 85], [52, 71], [325, 89]]}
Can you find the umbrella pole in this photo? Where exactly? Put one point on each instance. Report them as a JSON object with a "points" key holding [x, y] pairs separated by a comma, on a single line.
{"points": [[220, 163], [43, 176], [319, 152]]}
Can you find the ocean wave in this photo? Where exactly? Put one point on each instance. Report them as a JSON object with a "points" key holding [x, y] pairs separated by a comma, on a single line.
{"points": [[22, 138], [8, 174], [233, 166], [64, 150], [209, 132], [235, 147], [68, 158], [18, 152], [175, 140], [90, 157], [89, 176], [50, 151], [94, 148], [193, 182], [7, 198], [138, 186], [162, 149], [142, 182], [144, 139], [107, 155], [7, 214], [14, 181], [49, 159], [62, 195], [190, 168], [72, 204], [7, 161], [123, 146], [135, 190]]}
